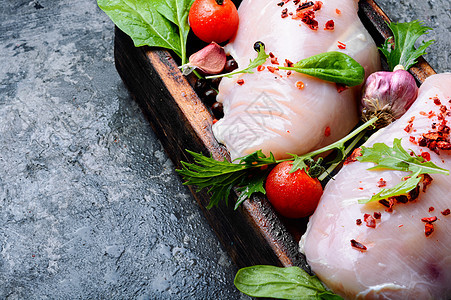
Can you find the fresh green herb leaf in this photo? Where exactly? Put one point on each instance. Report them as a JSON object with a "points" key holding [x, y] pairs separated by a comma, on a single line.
{"points": [[402, 50], [331, 66], [221, 176], [261, 59], [177, 12], [397, 158], [281, 283], [143, 22]]}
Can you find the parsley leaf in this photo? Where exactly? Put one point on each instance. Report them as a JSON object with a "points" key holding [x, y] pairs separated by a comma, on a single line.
{"points": [[259, 60], [402, 50], [397, 158]]}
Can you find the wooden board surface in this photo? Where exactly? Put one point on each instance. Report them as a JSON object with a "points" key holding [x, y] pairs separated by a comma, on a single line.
{"points": [[253, 234]]}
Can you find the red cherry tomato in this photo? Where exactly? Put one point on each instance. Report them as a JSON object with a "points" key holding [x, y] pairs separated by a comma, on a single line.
{"points": [[213, 20], [294, 195]]}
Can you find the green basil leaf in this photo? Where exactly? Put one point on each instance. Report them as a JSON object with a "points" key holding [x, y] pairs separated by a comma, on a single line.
{"points": [[177, 12], [331, 66], [280, 283], [143, 23]]}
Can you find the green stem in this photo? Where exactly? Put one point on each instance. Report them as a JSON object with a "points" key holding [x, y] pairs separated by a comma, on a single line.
{"points": [[347, 150]]}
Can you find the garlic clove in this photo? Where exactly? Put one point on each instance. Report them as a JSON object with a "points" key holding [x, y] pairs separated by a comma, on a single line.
{"points": [[210, 59]]}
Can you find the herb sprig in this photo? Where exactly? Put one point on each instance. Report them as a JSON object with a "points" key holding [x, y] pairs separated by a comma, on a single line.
{"points": [[259, 60], [247, 174], [281, 283], [397, 158], [401, 49]]}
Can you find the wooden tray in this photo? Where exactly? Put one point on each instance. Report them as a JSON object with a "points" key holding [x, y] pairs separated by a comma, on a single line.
{"points": [[253, 234]]}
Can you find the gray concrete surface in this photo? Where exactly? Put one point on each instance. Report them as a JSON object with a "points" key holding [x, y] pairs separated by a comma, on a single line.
{"points": [[90, 206]]}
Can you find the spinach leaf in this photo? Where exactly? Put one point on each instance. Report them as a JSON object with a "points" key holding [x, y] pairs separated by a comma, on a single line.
{"points": [[143, 23], [281, 283], [177, 12], [331, 66]]}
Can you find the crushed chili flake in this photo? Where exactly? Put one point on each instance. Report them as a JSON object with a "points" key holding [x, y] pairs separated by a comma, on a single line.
{"points": [[429, 219], [341, 87], [308, 17], [358, 246], [296, 2], [408, 128], [330, 25], [260, 68], [411, 119], [284, 13], [299, 85], [271, 55], [338, 11], [381, 183], [388, 203], [341, 45], [274, 61], [288, 73], [358, 222], [353, 157], [272, 69], [288, 63], [446, 212], [400, 225], [304, 5], [317, 5], [437, 101], [412, 139], [426, 156], [281, 4], [369, 220], [215, 120], [428, 229], [240, 81], [377, 215], [431, 209], [327, 131]]}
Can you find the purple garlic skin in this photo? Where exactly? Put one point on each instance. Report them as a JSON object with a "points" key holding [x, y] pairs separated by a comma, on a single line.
{"points": [[387, 95], [210, 59]]}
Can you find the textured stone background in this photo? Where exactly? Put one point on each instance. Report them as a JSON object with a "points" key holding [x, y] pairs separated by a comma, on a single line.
{"points": [[90, 206]]}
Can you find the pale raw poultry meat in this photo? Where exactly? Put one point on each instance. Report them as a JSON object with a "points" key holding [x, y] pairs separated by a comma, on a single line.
{"points": [[400, 262], [269, 111]]}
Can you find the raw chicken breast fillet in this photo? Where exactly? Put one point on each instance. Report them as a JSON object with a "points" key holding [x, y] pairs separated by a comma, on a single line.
{"points": [[400, 262], [268, 111]]}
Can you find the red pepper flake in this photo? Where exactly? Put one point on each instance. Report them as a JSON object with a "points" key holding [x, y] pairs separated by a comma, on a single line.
{"points": [[288, 73], [304, 5], [431, 114], [330, 25], [308, 17], [427, 179], [388, 203], [274, 61], [357, 245], [284, 13], [281, 4], [408, 128], [341, 87], [341, 45], [299, 85], [437, 101], [369, 220], [431, 209], [412, 139], [423, 113], [271, 55], [358, 222], [260, 68], [443, 109], [353, 157], [446, 212], [400, 225], [288, 63], [428, 229], [426, 156], [381, 183], [377, 215], [429, 219], [240, 81], [272, 69], [327, 131], [411, 119], [317, 5], [337, 11], [215, 120], [361, 188]]}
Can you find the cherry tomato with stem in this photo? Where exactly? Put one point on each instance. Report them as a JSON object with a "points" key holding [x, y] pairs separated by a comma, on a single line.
{"points": [[293, 195], [213, 20]]}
